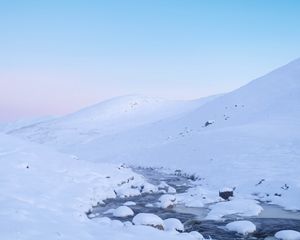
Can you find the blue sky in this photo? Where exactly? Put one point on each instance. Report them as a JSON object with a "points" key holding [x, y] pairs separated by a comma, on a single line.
{"points": [[59, 56]]}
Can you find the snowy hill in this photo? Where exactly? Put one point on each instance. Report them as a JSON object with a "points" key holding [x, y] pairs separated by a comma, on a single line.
{"points": [[266, 103], [105, 118], [233, 140], [275, 95], [13, 125]]}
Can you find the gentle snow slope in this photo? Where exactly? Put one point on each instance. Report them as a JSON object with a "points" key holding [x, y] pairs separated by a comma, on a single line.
{"points": [[44, 195], [106, 118], [10, 126]]}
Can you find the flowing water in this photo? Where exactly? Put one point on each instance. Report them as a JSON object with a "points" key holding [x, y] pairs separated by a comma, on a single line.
{"points": [[271, 220]]}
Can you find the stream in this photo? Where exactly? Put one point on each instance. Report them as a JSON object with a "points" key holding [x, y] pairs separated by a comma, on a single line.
{"points": [[271, 220]]}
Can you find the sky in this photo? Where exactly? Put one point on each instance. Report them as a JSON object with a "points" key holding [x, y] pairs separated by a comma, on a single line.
{"points": [[57, 56]]}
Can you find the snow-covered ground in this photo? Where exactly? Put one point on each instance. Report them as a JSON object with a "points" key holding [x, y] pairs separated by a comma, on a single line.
{"points": [[46, 194], [247, 140]]}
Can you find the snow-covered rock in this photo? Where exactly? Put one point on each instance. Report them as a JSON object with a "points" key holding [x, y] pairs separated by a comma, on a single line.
{"points": [[288, 235], [129, 203], [167, 201], [126, 190], [149, 205], [171, 190], [242, 227], [209, 122], [123, 211], [163, 185], [149, 188], [226, 193], [149, 219], [173, 224]]}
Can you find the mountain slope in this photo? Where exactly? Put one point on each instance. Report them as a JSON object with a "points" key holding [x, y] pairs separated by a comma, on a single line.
{"points": [[13, 125], [234, 140], [267, 102], [106, 118], [275, 95], [252, 134]]}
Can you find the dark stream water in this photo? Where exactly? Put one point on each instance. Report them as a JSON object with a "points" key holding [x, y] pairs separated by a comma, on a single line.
{"points": [[271, 221]]}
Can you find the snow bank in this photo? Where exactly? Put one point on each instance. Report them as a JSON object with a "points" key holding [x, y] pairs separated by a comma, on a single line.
{"points": [[198, 196], [242, 227], [240, 207]]}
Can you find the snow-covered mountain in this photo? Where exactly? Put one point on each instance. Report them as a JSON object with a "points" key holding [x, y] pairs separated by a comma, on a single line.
{"points": [[273, 96], [235, 139], [105, 118]]}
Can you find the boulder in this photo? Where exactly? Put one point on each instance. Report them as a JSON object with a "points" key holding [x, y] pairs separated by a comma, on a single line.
{"points": [[149, 219], [226, 193]]}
